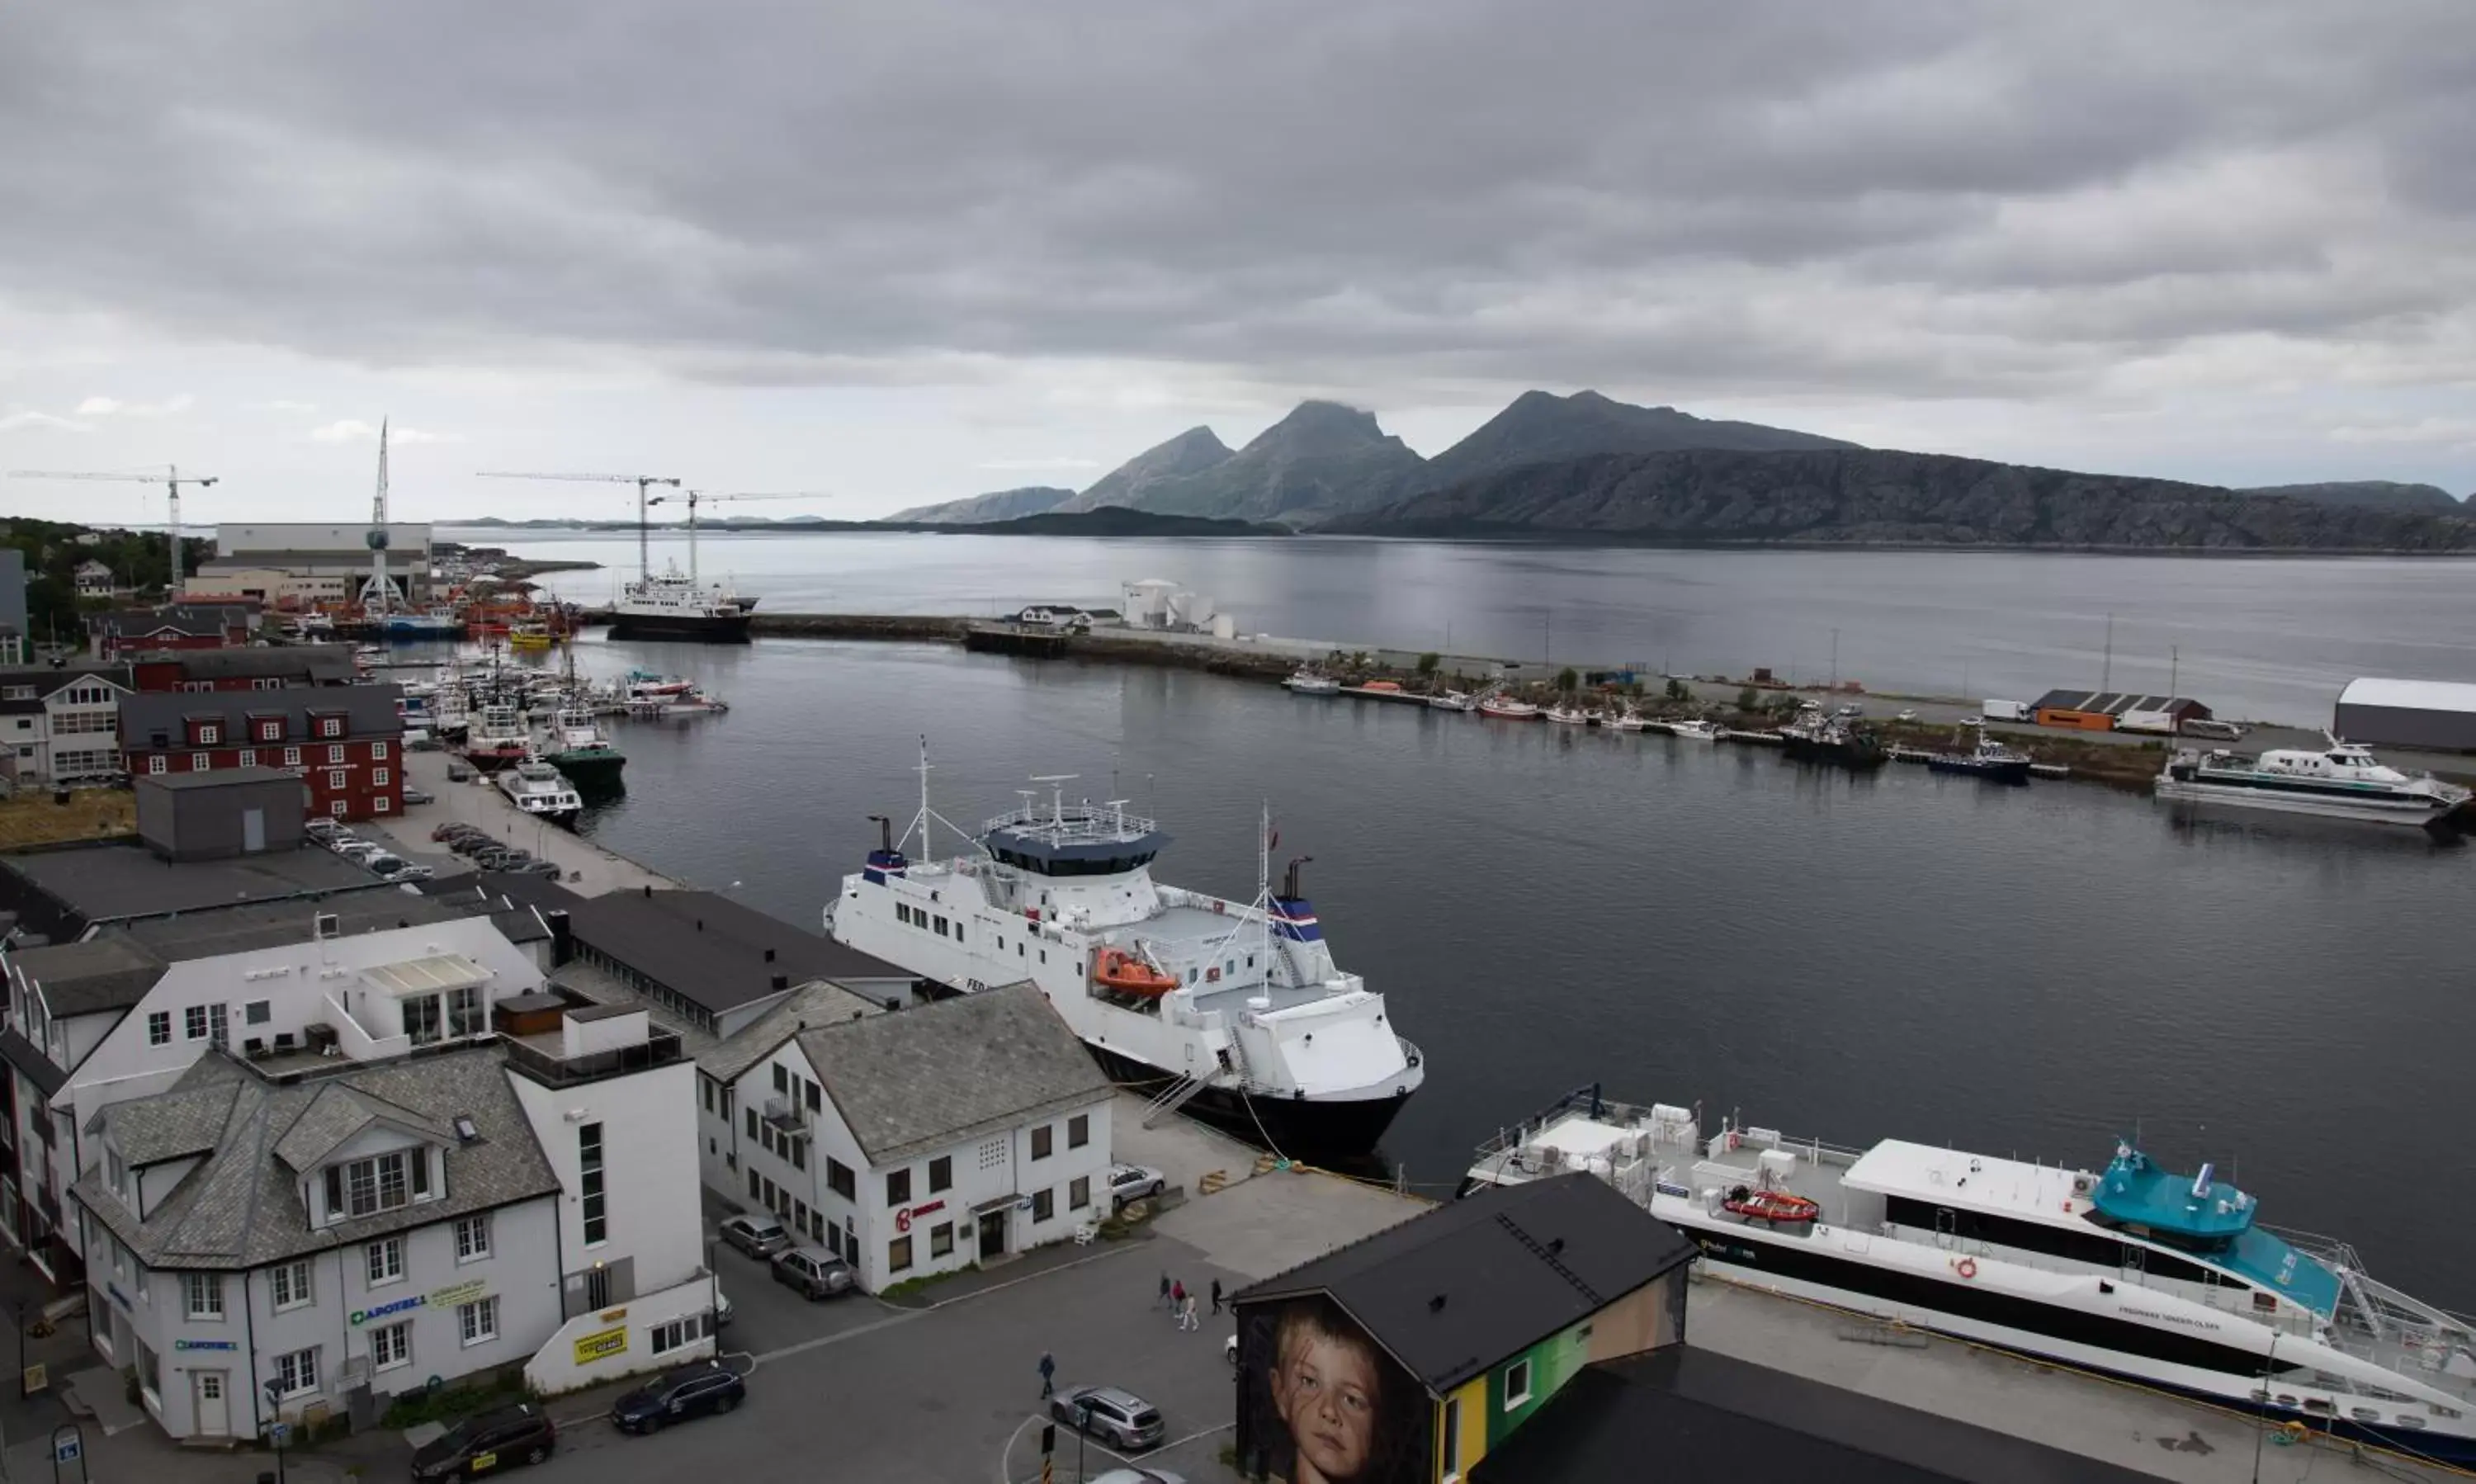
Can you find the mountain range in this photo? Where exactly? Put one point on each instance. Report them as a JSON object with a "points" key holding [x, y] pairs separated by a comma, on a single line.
{"points": [[1586, 466]]}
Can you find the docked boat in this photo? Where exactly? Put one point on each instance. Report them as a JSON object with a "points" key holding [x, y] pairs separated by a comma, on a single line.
{"points": [[1626, 720], [496, 738], [532, 635], [581, 752], [1453, 700], [1567, 714], [2341, 782], [1694, 728], [1231, 1010], [1498, 703], [673, 606], [1306, 681], [438, 622], [536, 788], [2164, 1278], [1830, 740], [1989, 759]]}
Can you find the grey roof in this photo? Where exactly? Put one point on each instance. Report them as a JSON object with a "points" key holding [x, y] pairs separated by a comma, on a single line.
{"points": [[369, 711], [711, 950], [242, 1207], [508, 888], [813, 1003], [246, 929], [520, 924], [47, 678], [108, 972], [220, 778], [913, 1081], [99, 882], [1459, 1288], [175, 1126], [326, 664], [198, 620], [337, 1115], [29, 1058], [597, 986]]}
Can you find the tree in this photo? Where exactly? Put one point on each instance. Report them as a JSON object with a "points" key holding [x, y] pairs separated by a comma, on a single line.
{"points": [[1677, 690], [1749, 700], [1358, 660], [1569, 678], [1429, 663]]}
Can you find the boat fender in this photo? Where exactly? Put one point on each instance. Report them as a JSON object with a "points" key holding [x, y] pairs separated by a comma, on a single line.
{"points": [[1219, 907], [1967, 1267]]}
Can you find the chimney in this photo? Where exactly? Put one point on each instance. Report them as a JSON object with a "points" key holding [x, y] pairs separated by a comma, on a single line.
{"points": [[562, 937]]}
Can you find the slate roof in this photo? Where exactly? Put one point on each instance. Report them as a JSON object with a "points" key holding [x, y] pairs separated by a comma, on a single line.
{"points": [[242, 1207], [336, 1116], [1684, 1413], [369, 711], [913, 1081], [813, 1003], [321, 664], [1512, 1265], [174, 1125], [709, 949], [47, 678], [111, 970], [29, 1058]]}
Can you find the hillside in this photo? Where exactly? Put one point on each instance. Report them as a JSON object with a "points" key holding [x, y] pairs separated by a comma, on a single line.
{"points": [[1113, 520], [1322, 461], [1870, 497], [2366, 494], [1131, 486], [1002, 504], [1540, 427]]}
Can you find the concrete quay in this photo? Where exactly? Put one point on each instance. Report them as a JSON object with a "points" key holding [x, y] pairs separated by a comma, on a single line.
{"points": [[586, 868]]}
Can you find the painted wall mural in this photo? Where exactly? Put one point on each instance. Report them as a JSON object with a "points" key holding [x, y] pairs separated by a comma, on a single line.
{"points": [[1321, 1404]]}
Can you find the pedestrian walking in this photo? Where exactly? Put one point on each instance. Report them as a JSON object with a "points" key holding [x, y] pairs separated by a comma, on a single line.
{"points": [[1177, 1298], [1216, 1295], [1164, 1292], [1186, 1319], [1048, 1374]]}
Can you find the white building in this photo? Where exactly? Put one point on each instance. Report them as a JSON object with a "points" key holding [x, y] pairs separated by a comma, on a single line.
{"points": [[59, 725], [95, 580], [911, 1142], [312, 561]]}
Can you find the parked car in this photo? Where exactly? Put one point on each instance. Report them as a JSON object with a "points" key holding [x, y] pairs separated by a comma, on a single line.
{"points": [[487, 1443], [359, 851], [403, 873], [546, 868], [321, 829], [813, 1271], [1851, 712], [414, 795], [691, 1390], [1133, 1182], [1117, 1417], [758, 1234], [440, 835], [1906, 716], [460, 772], [385, 862]]}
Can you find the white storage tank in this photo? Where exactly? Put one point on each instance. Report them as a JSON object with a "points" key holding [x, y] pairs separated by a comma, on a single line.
{"points": [[1224, 626]]}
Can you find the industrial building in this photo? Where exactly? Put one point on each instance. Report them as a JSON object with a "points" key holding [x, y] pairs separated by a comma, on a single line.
{"points": [[2110, 711], [2436, 715], [295, 564]]}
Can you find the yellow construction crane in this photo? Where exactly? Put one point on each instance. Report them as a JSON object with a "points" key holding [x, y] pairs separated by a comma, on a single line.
{"points": [[171, 478], [698, 497], [642, 482]]}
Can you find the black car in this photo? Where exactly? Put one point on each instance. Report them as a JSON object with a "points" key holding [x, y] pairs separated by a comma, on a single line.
{"points": [[692, 1390], [488, 1443]]}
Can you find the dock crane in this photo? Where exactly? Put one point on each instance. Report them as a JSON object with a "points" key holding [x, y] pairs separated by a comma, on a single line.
{"points": [[171, 478], [698, 497], [642, 482]]}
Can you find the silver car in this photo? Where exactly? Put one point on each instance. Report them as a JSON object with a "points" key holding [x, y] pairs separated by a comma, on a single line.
{"points": [[1134, 1182], [759, 1234], [1117, 1417]]}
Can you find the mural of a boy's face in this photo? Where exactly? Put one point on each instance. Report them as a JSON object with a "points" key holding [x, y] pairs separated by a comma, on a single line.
{"points": [[1326, 1387]]}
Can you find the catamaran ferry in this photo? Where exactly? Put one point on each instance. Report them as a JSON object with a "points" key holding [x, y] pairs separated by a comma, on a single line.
{"points": [[1233, 1011], [2343, 782], [2162, 1277]]}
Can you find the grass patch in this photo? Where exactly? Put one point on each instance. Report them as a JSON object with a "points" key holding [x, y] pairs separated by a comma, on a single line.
{"points": [[452, 1404], [897, 1293], [32, 818]]}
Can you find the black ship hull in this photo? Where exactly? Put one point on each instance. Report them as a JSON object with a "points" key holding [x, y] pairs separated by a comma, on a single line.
{"points": [[1297, 1127], [693, 628], [1855, 757], [1991, 769]]}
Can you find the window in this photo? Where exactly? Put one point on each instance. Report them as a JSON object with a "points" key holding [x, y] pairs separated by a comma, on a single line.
{"points": [[337, 777], [297, 1373], [384, 1261], [194, 1023], [257, 1012], [378, 777], [706, 1084], [472, 1239], [1042, 1138], [378, 749], [1452, 1459], [588, 1160], [464, 1011], [157, 763], [898, 1254], [1078, 1193], [1079, 1130], [839, 1180], [1517, 1384], [941, 1173], [140, 1276], [208, 734], [390, 1346], [799, 1151], [386, 1183], [158, 1028], [115, 1173], [249, 757], [270, 731], [293, 758], [800, 1216], [993, 1153], [478, 1321], [941, 1239], [897, 1186], [291, 1284], [679, 1334], [750, 1115], [334, 755], [751, 1182], [783, 1080], [203, 1292], [199, 762], [941, 926], [1043, 1204], [816, 1098]]}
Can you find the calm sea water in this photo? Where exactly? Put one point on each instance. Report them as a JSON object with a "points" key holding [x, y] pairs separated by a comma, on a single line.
{"points": [[2266, 639], [2032, 971]]}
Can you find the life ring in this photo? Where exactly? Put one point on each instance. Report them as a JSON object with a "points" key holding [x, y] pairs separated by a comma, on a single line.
{"points": [[1966, 1268]]}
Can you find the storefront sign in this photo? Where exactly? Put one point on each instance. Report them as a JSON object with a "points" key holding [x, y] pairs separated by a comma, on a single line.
{"points": [[381, 1310], [613, 1316], [457, 1294], [206, 1344], [902, 1220], [600, 1345]]}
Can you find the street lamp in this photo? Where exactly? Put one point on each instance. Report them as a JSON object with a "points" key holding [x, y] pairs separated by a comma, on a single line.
{"points": [[275, 1423]]}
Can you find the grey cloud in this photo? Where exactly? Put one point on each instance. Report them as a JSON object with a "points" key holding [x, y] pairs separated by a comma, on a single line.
{"points": [[1769, 197]]}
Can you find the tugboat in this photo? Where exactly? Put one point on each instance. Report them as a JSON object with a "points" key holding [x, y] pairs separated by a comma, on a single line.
{"points": [[1989, 760], [496, 738]]}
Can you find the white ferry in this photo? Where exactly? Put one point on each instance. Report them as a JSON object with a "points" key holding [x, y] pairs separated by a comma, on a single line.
{"points": [[2343, 782], [536, 788], [1231, 1010], [2164, 1278]]}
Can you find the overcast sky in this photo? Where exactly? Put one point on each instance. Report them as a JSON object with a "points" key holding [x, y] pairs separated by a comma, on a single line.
{"points": [[904, 253]]}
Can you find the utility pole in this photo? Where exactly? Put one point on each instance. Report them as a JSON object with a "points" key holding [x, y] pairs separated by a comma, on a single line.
{"points": [[2106, 671], [1835, 661], [2174, 664]]}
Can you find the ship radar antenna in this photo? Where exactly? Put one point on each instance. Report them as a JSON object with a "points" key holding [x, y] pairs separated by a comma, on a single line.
{"points": [[925, 853], [1056, 783]]}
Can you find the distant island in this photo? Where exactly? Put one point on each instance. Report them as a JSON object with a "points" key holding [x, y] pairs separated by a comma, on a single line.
{"points": [[1106, 521]]}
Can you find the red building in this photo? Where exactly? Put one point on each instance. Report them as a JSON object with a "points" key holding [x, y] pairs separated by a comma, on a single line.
{"points": [[346, 742], [175, 625], [248, 668]]}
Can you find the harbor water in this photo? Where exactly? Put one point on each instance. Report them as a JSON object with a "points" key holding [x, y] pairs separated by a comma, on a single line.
{"points": [[2018, 971]]}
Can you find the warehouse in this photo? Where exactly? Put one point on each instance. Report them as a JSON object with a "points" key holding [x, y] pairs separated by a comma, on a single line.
{"points": [[2110, 711], [2437, 715]]}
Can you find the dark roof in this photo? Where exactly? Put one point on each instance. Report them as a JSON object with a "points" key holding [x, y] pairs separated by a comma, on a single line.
{"points": [[1700, 1415], [100, 883], [910, 1081], [29, 1058], [330, 664], [813, 1003], [220, 778], [370, 710], [710, 949], [108, 972], [201, 619], [241, 1207], [47, 678], [242, 930], [520, 924], [2115, 703], [1457, 1289]]}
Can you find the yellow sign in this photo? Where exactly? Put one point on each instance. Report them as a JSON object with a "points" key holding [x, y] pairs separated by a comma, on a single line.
{"points": [[459, 1295], [613, 1316], [481, 1461], [38, 1379], [601, 1344]]}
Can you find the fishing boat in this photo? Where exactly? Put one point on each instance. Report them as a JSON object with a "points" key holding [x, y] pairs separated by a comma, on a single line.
{"points": [[1567, 714], [536, 787], [2341, 782], [1497, 703], [437, 623], [1989, 759], [1306, 681], [1453, 700], [529, 634], [1830, 740], [1694, 728], [2162, 1277], [581, 751], [1231, 1010], [1628, 720], [496, 737]]}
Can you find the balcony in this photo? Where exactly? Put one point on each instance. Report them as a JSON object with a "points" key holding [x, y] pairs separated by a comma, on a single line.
{"points": [[786, 1114], [552, 1066]]}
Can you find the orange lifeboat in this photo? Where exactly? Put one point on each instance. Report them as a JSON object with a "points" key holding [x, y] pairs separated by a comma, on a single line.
{"points": [[1117, 968], [1777, 1207]]}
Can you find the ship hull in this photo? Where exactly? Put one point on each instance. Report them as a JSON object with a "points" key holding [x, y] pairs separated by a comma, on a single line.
{"points": [[1298, 1127], [2317, 806], [2006, 771], [694, 627], [590, 770]]}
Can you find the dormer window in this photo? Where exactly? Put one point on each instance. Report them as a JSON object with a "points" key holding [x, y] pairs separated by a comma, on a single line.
{"points": [[383, 1182], [115, 1174], [331, 725]]}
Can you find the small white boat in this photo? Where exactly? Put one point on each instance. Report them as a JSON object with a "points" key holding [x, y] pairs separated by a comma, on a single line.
{"points": [[1696, 730], [1497, 703], [1453, 700], [1568, 715], [1626, 720], [538, 789], [1306, 681]]}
